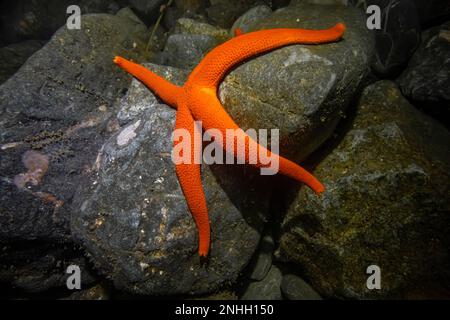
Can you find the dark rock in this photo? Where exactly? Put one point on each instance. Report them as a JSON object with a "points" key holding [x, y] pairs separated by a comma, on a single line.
{"points": [[190, 6], [250, 17], [59, 104], [266, 289], [12, 57], [295, 288], [432, 11], [23, 19], [262, 260], [147, 10], [134, 221], [191, 26], [34, 267], [225, 12], [386, 203], [398, 37], [427, 78], [186, 50], [96, 292], [302, 90]]}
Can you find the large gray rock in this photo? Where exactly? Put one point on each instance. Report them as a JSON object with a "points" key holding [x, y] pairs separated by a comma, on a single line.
{"points": [[386, 203], [134, 221], [189, 43], [59, 104], [427, 78], [302, 90], [186, 50], [12, 57]]}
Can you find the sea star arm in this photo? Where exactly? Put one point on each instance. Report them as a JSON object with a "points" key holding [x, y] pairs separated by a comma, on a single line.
{"points": [[167, 91], [221, 59], [190, 180], [205, 106]]}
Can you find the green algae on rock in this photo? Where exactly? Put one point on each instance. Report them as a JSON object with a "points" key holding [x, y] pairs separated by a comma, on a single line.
{"points": [[386, 204]]}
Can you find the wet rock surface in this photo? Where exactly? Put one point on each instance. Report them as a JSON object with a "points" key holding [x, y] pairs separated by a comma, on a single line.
{"points": [[266, 289], [134, 222], [385, 204], [295, 288], [13, 56], [85, 154], [398, 35], [59, 105], [426, 79], [38, 267], [301, 90]]}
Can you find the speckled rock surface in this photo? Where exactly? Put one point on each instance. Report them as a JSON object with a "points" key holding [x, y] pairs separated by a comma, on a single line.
{"points": [[427, 77], [302, 89], [186, 50], [191, 26], [134, 222], [59, 104], [386, 203]]}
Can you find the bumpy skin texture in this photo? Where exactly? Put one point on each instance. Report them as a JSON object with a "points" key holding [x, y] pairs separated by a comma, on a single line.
{"points": [[197, 99]]}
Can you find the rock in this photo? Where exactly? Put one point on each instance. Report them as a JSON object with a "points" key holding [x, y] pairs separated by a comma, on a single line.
{"points": [[136, 191], [386, 204], [262, 260], [302, 90], [186, 50], [190, 6], [40, 19], [13, 56], [96, 292], [398, 37], [250, 17], [59, 104], [31, 267], [430, 11], [190, 42], [139, 99], [295, 288], [266, 289], [224, 12], [147, 10], [191, 26], [427, 77]]}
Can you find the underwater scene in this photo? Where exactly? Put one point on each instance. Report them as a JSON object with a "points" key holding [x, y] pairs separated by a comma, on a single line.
{"points": [[225, 150]]}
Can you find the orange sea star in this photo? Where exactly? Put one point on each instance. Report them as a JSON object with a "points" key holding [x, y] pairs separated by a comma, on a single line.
{"points": [[197, 99]]}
